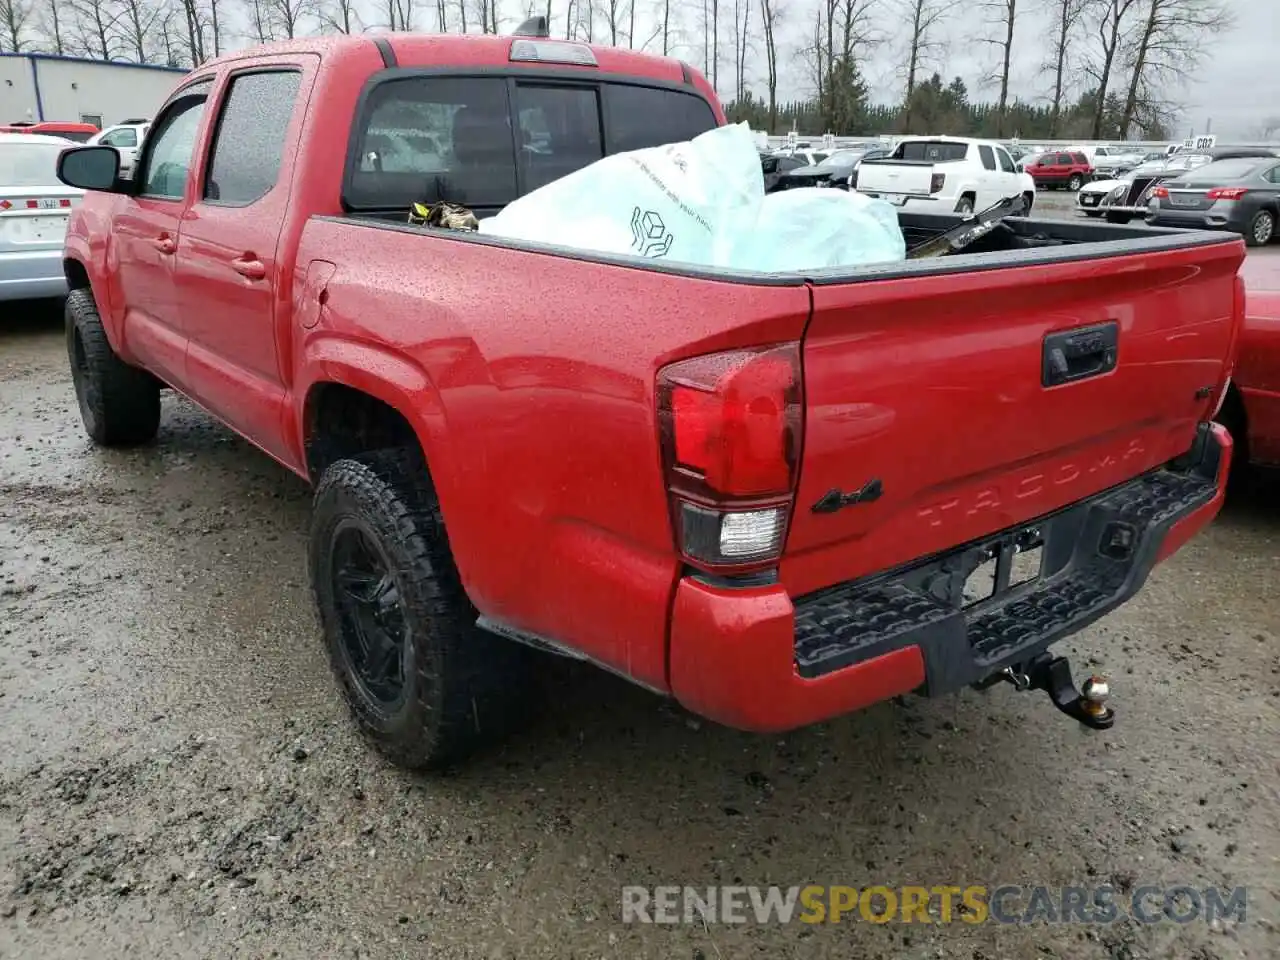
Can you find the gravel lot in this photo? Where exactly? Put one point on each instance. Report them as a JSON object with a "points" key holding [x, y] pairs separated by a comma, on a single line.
{"points": [[178, 778]]}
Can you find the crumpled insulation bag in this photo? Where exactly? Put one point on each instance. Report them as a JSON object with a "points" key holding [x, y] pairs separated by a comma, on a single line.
{"points": [[701, 202]]}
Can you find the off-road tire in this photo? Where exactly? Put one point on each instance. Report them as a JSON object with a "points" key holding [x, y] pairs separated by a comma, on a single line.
{"points": [[1261, 229], [463, 687], [1075, 182], [119, 404]]}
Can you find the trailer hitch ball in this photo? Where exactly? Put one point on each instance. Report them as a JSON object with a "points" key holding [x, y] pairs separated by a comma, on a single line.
{"points": [[1088, 705]]}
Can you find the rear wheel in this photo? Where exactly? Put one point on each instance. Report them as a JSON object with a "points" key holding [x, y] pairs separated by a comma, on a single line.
{"points": [[965, 205], [423, 683], [1075, 182], [1262, 228], [119, 404]]}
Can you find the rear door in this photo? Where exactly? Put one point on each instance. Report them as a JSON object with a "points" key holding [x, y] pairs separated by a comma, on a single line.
{"points": [[936, 390], [144, 234], [1011, 184], [233, 286]]}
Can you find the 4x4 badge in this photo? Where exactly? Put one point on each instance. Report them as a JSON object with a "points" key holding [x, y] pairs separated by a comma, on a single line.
{"points": [[834, 500]]}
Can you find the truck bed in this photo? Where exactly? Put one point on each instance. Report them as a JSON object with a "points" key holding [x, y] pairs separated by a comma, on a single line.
{"points": [[1021, 241]]}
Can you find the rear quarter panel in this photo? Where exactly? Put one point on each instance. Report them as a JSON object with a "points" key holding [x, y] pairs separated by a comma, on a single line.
{"points": [[529, 379], [1257, 373]]}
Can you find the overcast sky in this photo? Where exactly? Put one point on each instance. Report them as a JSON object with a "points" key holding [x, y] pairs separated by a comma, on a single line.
{"points": [[1238, 86]]}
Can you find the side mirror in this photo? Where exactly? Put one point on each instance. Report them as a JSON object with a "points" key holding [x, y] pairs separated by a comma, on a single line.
{"points": [[90, 168]]}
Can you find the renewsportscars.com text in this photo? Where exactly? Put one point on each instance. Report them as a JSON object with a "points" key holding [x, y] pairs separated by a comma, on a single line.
{"points": [[974, 904]]}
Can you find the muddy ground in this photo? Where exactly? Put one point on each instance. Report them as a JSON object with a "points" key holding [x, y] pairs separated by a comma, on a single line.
{"points": [[178, 778]]}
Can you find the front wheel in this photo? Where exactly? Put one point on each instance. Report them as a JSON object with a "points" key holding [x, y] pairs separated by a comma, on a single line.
{"points": [[1075, 183], [119, 404], [422, 682], [1261, 229]]}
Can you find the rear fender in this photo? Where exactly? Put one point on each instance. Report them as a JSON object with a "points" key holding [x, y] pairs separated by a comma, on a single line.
{"points": [[399, 382]]}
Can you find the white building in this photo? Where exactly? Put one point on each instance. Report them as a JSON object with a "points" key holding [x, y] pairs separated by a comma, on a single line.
{"points": [[41, 86]]}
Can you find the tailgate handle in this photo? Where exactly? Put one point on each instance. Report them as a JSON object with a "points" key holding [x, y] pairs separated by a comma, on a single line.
{"points": [[1079, 354]]}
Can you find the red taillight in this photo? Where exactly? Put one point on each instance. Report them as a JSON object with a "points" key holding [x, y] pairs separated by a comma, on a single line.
{"points": [[731, 429], [937, 182], [1160, 193], [1226, 193]]}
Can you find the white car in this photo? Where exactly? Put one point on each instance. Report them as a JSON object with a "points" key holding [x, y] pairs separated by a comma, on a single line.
{"points": [[945, 175], [34, 210], [126, 138], [1091, 196]]}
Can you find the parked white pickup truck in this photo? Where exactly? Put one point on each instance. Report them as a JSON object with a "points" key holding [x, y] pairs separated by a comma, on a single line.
{"points": [[945, 174]]}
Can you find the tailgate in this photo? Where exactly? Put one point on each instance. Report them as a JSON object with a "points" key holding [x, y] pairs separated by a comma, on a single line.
{"points": [[929, 395], [897, 177]]}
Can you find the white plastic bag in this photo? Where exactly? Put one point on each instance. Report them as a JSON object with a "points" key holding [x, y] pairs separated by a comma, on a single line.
{"points": [[702, 202], [813, 228], [684, 201]]}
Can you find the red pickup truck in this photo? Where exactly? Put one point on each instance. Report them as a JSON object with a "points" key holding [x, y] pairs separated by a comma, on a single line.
{"points": [[1251, 411], [776, 497]]}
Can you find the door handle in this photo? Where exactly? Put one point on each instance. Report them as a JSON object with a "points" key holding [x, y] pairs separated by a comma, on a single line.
{"points": [[165, 244], [250, 268], [1079, 354]]}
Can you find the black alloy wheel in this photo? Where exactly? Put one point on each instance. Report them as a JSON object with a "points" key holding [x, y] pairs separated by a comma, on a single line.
{"points": [[375, 625]]}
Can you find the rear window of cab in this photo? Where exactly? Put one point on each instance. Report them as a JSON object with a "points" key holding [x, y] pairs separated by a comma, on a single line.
{"points": [[483, 141]]}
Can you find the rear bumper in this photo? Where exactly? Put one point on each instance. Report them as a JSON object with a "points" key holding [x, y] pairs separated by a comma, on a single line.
{"points": [[756, 659], [31, 275], [1221, 215]]}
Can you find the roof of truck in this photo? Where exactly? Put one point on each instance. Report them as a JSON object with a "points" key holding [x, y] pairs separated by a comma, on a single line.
{"points": [[438, 50]]}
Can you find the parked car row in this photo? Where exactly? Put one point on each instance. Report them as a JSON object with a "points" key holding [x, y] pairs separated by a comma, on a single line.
{"points": [[1227, 188], [933, 174]]}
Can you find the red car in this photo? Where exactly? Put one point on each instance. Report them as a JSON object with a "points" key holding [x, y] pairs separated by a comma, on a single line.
{"points": [[774, 497], [1251, 410], [68, 130], [1061, 169]]}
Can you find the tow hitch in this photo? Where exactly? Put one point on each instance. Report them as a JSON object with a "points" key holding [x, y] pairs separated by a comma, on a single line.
{"points": [[1053, 675]]}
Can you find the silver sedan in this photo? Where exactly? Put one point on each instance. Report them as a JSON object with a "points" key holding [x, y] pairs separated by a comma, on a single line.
{"points": [[34, 209]]}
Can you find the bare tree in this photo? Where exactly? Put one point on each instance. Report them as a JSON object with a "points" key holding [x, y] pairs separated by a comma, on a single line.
{"points": [[1114, 24], [262, 26], [14, 18], [341, 16], [138, 20], [486, 11], [96, 32], [770, 18], [615, 12], [291, 16], [711, 41], [924, 19], [741, 44], [1171, 43], [1066, 16], [52, 27], [999, 19]]}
